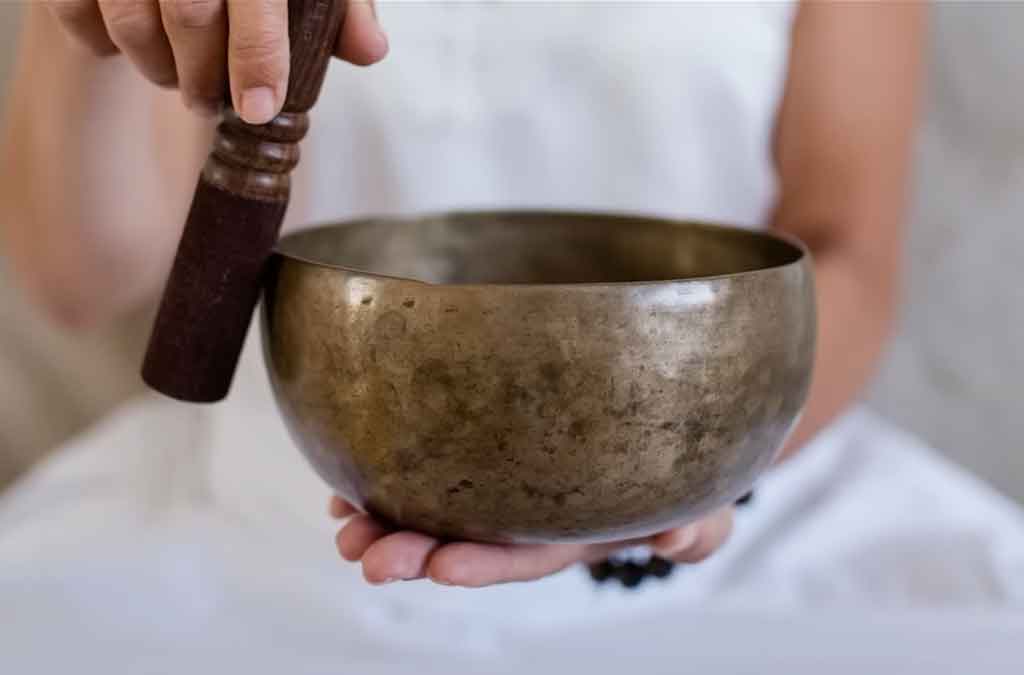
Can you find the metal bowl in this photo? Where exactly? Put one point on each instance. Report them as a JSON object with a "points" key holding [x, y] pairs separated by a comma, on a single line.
{"points": [[528, 376]]}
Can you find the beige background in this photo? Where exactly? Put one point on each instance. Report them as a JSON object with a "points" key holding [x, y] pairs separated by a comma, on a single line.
{"points": [[956, 369]]}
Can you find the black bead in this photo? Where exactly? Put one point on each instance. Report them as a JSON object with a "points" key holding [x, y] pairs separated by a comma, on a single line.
{"points": [[659, 567], [631, 574], [745, 499], [602, 571]]}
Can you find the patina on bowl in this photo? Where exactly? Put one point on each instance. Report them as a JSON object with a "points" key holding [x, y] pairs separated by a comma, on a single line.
{"points": [[529, 376]]}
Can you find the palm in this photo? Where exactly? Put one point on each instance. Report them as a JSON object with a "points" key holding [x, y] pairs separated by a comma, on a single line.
{"points": [[387, 555]]}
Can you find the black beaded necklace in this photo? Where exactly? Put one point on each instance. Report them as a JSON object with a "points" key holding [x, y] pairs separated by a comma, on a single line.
{"points": [[631, 573]]}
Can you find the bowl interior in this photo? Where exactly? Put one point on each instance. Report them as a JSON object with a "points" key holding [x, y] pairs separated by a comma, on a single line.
{"points": [[538, 248]]}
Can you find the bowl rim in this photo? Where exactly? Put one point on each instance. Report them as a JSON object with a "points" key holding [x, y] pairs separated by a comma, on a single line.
{"points": [[803, 256]]}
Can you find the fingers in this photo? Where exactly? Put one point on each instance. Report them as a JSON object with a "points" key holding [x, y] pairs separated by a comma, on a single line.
{"points": [[258, 57], [402, 555], [199, 44], [696, 542], [82, 20], [198, 33], [388, 556], [136, 28], [361, 41], [385, 557], [475, 565], [358, 535]]}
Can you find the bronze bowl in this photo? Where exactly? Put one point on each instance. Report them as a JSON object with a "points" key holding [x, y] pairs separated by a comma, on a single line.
{"points": [[531, 376]]}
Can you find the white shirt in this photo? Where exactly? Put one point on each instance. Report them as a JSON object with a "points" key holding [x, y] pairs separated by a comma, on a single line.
{"points": [[664, 108]]}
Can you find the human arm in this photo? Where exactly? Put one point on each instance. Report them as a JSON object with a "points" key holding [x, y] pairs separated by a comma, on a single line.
{"points": [[97, 165], [842, 150]]}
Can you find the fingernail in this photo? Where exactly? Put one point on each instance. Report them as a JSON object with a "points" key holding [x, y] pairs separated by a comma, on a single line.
{"points": [[387, 580], [258, 105]]}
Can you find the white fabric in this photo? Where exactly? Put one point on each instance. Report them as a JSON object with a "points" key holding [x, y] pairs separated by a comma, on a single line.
{"points": [[170, 527], [131, 540], [657, 107]]}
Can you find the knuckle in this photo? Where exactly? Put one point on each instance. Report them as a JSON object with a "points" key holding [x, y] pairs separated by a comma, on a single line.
{"points": [[260, 47], [130, 24], [82, 22], [260, 56], [192, 14], [71, 12]]}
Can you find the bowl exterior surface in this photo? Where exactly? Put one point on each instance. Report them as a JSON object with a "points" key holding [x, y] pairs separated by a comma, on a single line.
{"points": [[538, 413]]}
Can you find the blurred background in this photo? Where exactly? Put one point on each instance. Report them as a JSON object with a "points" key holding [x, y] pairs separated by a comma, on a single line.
{"points": [[955, 373]]}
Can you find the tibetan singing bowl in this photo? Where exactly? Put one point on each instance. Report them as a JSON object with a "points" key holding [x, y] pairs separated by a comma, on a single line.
{"points": [[530, 376]]}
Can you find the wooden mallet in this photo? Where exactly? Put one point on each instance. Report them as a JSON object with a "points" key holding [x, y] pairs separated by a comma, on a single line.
{"points": [[233, 224]]}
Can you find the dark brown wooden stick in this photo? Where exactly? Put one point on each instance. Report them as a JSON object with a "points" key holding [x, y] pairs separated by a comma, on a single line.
{"points": [[233, 225]]}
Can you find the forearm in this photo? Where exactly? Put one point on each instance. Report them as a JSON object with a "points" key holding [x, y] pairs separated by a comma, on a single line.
{"points": [[842, 150], [852, 222], [94, 177], [854, 320]]}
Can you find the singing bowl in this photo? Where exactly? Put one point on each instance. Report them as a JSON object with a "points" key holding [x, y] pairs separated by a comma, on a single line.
{"points": [[529, 376]]}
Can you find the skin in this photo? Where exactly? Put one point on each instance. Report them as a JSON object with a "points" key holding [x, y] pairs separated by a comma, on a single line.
{"points": [[841, 148]]}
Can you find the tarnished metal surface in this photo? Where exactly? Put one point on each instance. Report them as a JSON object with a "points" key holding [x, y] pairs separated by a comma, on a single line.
{"points": [[538, 377]]}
